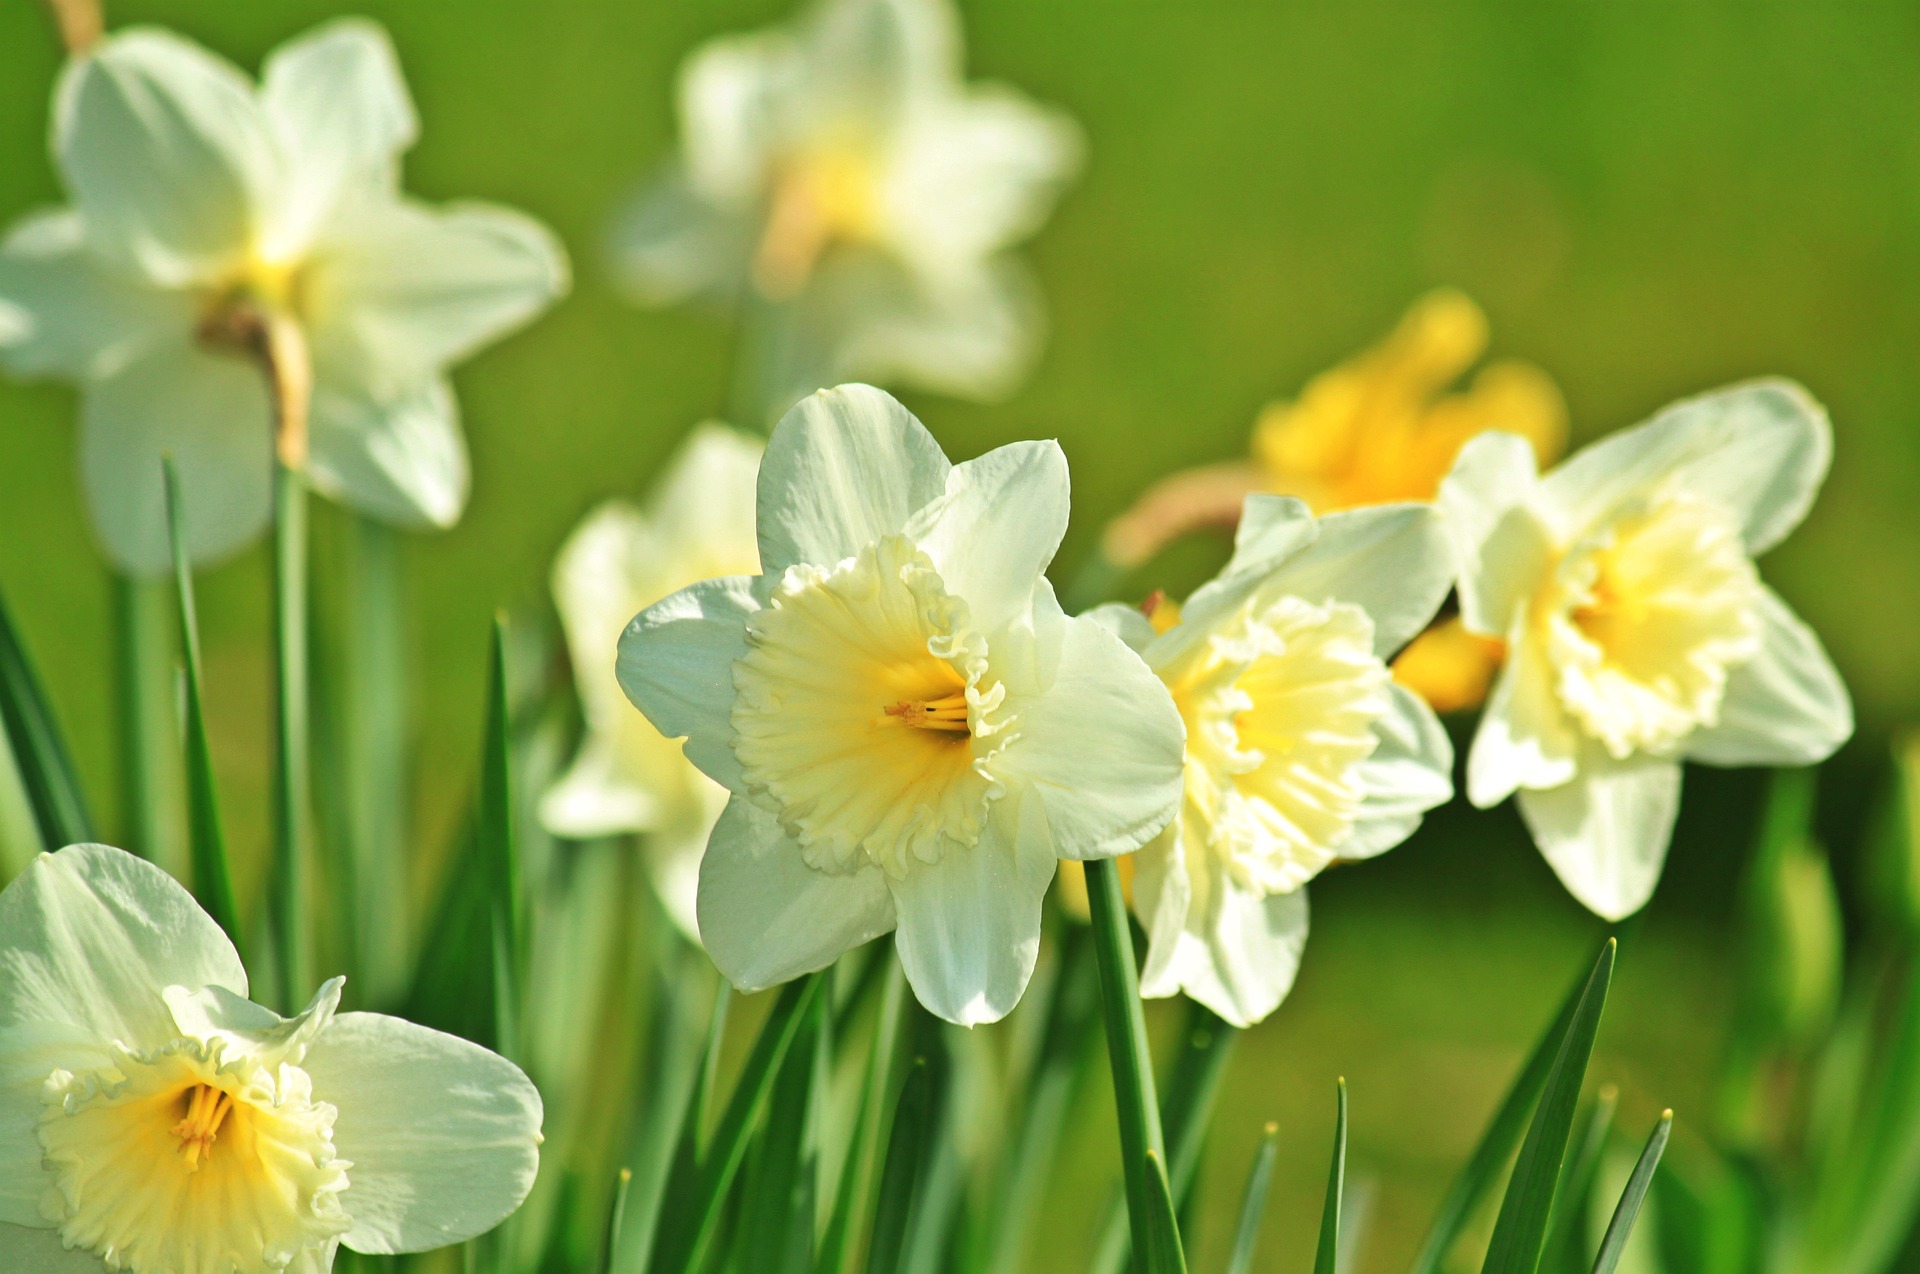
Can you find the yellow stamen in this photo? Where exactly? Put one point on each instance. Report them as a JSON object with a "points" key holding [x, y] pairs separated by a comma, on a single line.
{"points": [[949, 713], [207, 1109]]}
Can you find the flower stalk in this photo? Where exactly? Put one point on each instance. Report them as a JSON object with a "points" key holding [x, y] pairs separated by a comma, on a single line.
{"points": [[275, 340], [79, 22], [1127, 1050]]}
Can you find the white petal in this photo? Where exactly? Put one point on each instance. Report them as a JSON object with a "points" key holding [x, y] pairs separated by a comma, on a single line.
{"points": [[996, 528], [25, 1250], [402, 460], [208, 412], [401, 290], [1098, 747], [703, 504], [64, 313], [598, 795], [444, 1136], [1760, 449], [1409, 773], [970, 923], [91, 936], [870, 58], [29, 1053], [1605, 834], [972, 336], [1162, 897], [844, 467], [675, 849], [974, 174], [165, 150], [766, 917], [670, 245], [1499, 545], [1787, 706], [1237, 952], [729, 96], [1524, 739], [1128, 623], [249, 1029], [676, 665], [1393, 561], [1273, 528], [339, 109]]}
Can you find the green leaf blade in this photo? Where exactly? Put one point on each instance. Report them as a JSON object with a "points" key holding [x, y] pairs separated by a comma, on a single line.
{"points": [[1253, 1201], [1326, 1257], [1519, 1233], [1620, 1228]]}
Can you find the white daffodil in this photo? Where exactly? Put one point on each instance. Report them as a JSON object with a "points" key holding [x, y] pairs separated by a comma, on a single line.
{"points": [[195, 193], [1301, 748], [628, 777], [843, 169], [1638, 632], [912, 730], [154, 1120]]}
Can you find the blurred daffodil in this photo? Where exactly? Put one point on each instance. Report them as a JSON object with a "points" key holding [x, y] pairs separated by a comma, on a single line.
{"points": [[912, 730], [196, 196], [628, 777], [843, 171], [1383, 426], [154, 1120], [1301, 750], [1638, 631]]}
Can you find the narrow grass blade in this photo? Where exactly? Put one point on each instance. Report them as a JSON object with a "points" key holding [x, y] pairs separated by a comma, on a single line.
{"points": [[781, 1168], [1620, 1228], [1133, 1087], [39, 753], [1064, 1056], [1161, 1240], [152, 771], [906, 1151], [212, 875], [681, 1179], [1567, 1233], [1521, 1229], [1253, 1201], [292, 917], [1326, 1257], [616, 1220], [1497, 1142], [499, 856], [863, 1159], [687, 1232]]}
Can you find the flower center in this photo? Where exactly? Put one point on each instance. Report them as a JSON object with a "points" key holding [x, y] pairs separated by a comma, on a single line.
{"points": [[866, 713], [138, 1181], [230, 311], [206, 1109], [1280, 707], [1642, 623], [824, 198]]}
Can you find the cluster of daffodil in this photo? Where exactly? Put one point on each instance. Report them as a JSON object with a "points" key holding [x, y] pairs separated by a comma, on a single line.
{"points": [[891, 725]]}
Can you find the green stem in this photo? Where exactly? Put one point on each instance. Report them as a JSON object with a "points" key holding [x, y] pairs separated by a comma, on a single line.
{"points": [[153, 776], [374, 759], [291, 795], [1133, 1088]]}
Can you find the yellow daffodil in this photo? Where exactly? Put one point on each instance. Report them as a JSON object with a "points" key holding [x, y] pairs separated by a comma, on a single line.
{"points": [[842, 168], [913, 732], [1301, 750], [1637, 628], [196, 194], [628, 778], [155, 1121]]}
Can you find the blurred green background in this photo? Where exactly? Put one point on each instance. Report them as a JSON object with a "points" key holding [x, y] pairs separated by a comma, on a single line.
{"points": [[1649, 201]]}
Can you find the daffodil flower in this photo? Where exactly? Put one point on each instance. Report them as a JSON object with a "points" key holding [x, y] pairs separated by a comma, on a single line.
{"points": [[1301, 749], [841, 168], [627, 777], [1639, 634], [912, 731], [197, 195], [154, 1120]]}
